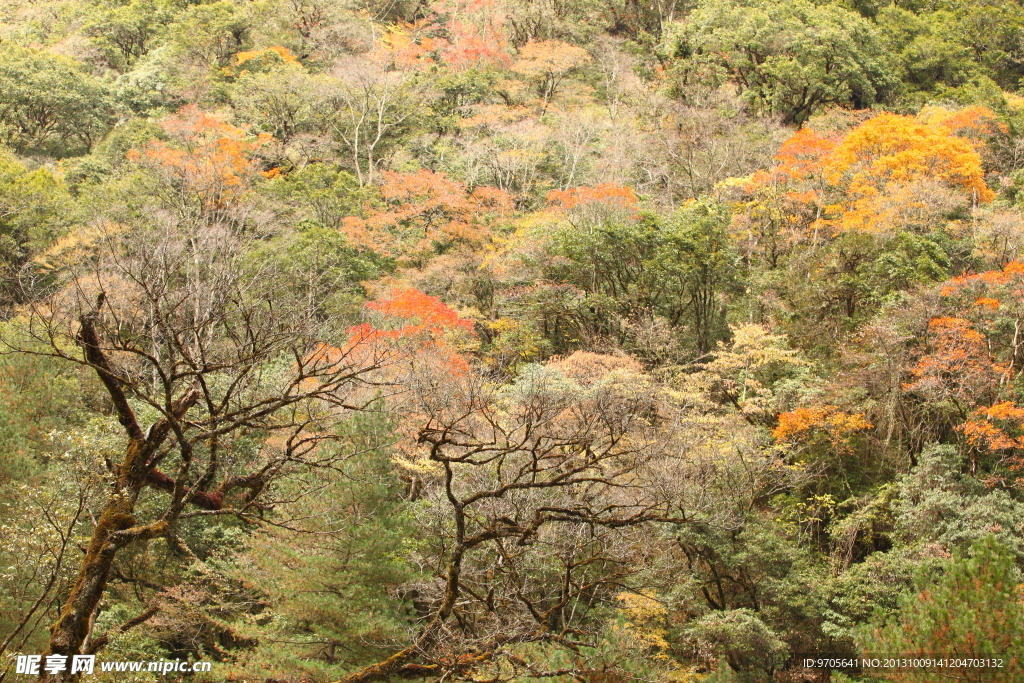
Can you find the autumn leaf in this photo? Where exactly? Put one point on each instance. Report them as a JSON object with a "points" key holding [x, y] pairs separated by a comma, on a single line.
{"points": [[207, 161], [801, 424], [425, 209]]}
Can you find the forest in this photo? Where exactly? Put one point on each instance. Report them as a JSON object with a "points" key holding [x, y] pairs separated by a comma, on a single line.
{"points": [[499, 341]]}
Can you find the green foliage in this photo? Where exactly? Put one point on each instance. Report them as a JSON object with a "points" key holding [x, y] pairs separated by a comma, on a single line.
{"points": [[51, 105], [973, 610], [723, 674], [930, 54], [744, 638], [790, 59], [941, 503], [597, 193], [207, 34], [128, 32], [31, 206], [35, 397], [323, 193], [336, 592], [677, 267], [279, 100], [317, 264], [871, 589], [836, 287]]}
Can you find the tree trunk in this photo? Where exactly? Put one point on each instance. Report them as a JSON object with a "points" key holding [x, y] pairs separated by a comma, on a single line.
{"points": [[72, 626], [117, 526]]}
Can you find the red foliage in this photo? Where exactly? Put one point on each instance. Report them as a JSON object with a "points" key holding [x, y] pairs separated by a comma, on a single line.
{"points": [[425, 321], [425, 312]]}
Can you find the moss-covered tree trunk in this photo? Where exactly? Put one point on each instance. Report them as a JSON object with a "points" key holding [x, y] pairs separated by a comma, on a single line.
{"points": [[116, 526]]}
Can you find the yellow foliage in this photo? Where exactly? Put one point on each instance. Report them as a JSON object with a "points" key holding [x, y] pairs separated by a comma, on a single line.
{"points": [[733, 370], [889, 165], [645, 619], [545, 57], [75, 246]]}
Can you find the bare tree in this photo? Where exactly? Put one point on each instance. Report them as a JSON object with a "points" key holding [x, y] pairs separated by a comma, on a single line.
{"points": [[49, 524], [370, 110], [693, 148], [538, 493], [221, 382]]}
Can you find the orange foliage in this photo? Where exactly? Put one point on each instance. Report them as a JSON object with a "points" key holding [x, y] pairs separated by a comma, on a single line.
{"points": [[410, 315], [877, 165], [1010, 273], [471, 45], [425, 208], [209, 161], [547, 62], [892, 148], [984, 435], [260, 60], [463, 34], [607, 194], [412, 326], [803, 154], [284, 53], [997, 428], [408, 45], [476, 34], [987, 302], [965, 363], [977, 124], [802, 424], [426, 312], [888, 172], [960, 365]]}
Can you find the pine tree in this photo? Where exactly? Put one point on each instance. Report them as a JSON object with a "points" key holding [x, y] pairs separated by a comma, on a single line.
{"points": [[973, 611]]}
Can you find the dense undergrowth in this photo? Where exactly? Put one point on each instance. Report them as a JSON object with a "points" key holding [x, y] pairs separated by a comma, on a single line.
{"points": [[494, 340]]}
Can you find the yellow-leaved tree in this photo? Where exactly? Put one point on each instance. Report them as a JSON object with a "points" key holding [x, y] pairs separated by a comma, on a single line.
{"points": [[893, 171], [547, 62], [888, 173]]}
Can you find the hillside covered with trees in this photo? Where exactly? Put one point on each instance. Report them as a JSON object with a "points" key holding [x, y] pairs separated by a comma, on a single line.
{"points": [[569, 341]]}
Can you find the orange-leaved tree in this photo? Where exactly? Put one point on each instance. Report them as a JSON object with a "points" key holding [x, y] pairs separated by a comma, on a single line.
{"points": [[435, 331], [888, 167], [459, 34], [475, 31], [780, 206], [205, 168], [592, 204], [888, 173], [972, 363], [804, 426], [959, 367], [425, 211], [604, 193]]}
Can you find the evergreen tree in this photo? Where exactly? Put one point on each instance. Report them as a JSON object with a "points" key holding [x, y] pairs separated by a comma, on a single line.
{"points": [[973, 611]]}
